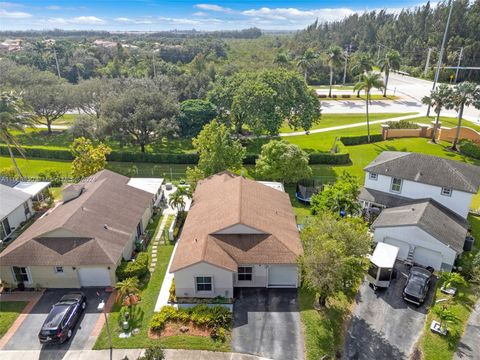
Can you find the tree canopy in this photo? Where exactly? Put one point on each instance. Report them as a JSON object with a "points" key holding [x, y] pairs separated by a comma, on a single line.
{"points": [[88, 158]]}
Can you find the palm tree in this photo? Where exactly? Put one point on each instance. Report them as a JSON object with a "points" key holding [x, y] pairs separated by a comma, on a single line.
{"points": [[127, 291], [13, 116], [465, 93], [334, 60], [438, 99], [368, 81], [177, 198], [452, 279], [391, 61], [305, 61], [445, 315], [362, 63]]}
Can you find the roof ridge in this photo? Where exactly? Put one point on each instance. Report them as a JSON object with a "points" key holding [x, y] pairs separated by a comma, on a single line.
{"points": [[457, 172], [240, 190]]}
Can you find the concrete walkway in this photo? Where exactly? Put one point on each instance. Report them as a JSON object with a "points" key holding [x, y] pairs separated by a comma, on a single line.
{"points": [[156, 242], [164, 294], [348, 126], [469, 346], [119, 354]]}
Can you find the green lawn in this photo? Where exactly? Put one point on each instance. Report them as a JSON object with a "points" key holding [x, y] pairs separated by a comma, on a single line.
{"points": [[437, 347], [446, 121], [354, 97], [336, 87], [149, 295], [9, 311], [330, 120]]}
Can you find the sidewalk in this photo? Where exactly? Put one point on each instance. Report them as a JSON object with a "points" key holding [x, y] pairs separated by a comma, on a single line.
{"points": [[469, 346], [119, 354]]}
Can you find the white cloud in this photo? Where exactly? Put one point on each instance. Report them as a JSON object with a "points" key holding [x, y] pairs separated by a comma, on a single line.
{"points": [[212, 7], [326, 14], [200, 13], [80, 20], [53, 7], [14, 14], [124, 19]]}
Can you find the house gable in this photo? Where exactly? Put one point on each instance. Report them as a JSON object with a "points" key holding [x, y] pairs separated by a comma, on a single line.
{"points": [[59, 233], [239, 229]]}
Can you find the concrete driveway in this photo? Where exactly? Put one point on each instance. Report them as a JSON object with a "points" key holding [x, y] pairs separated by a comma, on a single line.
{"points": [[267, 323], [383, 325], [26, 336]]}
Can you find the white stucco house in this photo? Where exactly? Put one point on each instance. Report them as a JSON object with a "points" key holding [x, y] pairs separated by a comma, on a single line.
{"points": [[82, 240], [238, 233], [424, 202], [15, 209]]}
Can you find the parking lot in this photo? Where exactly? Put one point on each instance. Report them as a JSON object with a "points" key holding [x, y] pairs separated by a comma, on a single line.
{"points": [[26, 336], [383, 325]]}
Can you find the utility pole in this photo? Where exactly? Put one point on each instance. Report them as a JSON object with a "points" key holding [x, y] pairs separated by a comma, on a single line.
{"points": [[442, 49], [56, 61], [427, 65], [458, 65], [346, 60]]}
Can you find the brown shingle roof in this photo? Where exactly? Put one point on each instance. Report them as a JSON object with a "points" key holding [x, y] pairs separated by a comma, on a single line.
{"points": [[106, 200], [225, 200]]}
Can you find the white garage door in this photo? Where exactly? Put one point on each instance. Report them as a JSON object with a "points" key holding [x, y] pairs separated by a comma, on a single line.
{"points": [[94, 276], [402, 245], [427, 257], [282, 276]]}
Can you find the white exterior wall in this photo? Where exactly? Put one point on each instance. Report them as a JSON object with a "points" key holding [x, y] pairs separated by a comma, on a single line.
{"points": [[185, 281], [17, 216], [239, 229], [458, 202], [259, 277], [417, 237]]}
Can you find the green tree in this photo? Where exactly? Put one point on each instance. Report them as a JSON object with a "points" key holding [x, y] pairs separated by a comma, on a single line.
{"points": [[334, 258], [282, 60], [14, 116], [452, 279], [342, 195], [282, 161], [127, 291], [362, 63], [391, 61], [217, 150], [464, 94], [177, 198], [445, 315], [194, 114], [334, 60], [439, 98], [88, 159], [306, 61], [367, 82]]}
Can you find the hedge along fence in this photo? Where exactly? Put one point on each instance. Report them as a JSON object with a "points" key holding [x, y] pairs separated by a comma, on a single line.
{"points": [[165, 158], [358, 140]]}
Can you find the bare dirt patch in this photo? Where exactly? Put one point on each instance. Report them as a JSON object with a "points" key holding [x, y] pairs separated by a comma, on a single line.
{"points": [[175, 328]]}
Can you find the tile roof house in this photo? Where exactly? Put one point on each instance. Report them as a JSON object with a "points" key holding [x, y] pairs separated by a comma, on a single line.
{"points": [[82, 240], [426, 201], [238, 233]]}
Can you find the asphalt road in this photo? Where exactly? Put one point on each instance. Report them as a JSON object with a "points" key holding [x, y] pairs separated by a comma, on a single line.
{"points": [[267, 323], [26, 337], [383, 325]]}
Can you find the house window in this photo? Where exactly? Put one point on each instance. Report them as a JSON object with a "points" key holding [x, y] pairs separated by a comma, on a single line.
{"points": [[203, 283], [245, 273], [27, 209], [446, 192], [58, 269], [396, 185], [373, 176], [5, 229], [21, 274]]}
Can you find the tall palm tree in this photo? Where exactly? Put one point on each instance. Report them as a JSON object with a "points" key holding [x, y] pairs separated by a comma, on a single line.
{"points": [[367, 82], [362, 63], [439, 98], [177, 198], [464, 94], [127, 291], [14, 115], [334, 60], [305, 61], [391, 61]]}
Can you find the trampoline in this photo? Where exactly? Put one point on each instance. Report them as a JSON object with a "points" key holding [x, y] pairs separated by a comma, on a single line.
{"points": [[305, 190]]}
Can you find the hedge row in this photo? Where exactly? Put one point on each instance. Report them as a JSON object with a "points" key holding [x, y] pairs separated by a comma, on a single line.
{"points": [[358, 140], [469, 148], [165, 158]]}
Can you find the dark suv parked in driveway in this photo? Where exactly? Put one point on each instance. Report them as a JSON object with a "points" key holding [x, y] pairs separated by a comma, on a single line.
{"points": [[417, 286], [60, 322]]}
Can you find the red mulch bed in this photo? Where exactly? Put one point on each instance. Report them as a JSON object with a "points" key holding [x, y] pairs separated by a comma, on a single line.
{"points": [[173, 328]]}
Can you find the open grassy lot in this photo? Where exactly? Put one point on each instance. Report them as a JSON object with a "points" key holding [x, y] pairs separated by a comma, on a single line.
{"points": [[145, 311], [435, 346], [9, 311], [330, 120]]}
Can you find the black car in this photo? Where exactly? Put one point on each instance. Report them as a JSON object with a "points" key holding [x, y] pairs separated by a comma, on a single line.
{"points": [[417, 286], [60, 322]]}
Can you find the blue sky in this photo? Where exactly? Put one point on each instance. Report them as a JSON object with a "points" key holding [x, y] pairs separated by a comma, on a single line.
{"points": [[152, 15]]}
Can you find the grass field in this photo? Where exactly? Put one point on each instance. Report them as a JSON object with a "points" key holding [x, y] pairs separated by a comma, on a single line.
{"points": [[437, 347], [9, 311]]}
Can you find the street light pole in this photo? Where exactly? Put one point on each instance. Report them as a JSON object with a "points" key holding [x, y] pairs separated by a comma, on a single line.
{"points": [[458, 65], [442, 49]]}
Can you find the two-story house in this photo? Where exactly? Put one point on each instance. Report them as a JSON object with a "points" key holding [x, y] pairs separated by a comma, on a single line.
{"points": [[427, 200]]}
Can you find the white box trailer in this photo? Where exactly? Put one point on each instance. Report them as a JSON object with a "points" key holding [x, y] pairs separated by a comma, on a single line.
{"points": [[382, 263]]}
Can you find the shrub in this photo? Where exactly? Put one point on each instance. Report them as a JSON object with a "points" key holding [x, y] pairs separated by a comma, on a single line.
{"points": [[358, 140], [9, 173], [171, 296], [136, 268], [38, 152], [330, 159], [402, 124], [52, 175], [469, 148], [153, 353]]}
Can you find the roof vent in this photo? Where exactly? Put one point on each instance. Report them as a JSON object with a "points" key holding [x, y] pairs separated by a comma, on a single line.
{"points": [[105, 226], [72, 192]]}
